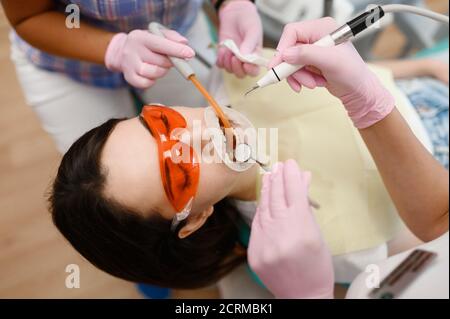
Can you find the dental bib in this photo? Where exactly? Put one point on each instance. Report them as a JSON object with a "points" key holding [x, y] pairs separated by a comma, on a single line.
{"points": [[356, 211]]}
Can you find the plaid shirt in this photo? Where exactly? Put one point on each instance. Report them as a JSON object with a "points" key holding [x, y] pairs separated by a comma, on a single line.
{"points": [[114, 16]]}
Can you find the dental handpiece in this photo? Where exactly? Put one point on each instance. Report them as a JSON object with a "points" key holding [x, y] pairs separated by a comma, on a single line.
{"points": [[340, 35], [345, 33]]}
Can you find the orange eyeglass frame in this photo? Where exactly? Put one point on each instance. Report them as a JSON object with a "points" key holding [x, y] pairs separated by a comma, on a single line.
{"points": [[179, 178]]}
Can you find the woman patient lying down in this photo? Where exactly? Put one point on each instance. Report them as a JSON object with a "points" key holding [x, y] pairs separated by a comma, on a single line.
{"points": [[109, 201]]}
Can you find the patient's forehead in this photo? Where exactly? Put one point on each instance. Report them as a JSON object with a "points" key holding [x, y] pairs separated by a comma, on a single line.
{"points": [[133, 178]]}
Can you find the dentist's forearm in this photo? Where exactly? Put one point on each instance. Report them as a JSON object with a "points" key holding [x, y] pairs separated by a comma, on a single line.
{"points": [[416, 182], [45, 29], [86, 43]]}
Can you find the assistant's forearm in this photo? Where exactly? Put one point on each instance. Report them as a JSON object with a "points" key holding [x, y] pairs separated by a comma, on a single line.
{"points": [[402, 69], [416, 182], [48, 32]]}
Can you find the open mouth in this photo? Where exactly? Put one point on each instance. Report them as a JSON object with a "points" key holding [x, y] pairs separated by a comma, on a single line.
{"points": [[230, 138]]}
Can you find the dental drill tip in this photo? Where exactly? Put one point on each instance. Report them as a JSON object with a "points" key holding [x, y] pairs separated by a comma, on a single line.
{"points": [[251, 90]]}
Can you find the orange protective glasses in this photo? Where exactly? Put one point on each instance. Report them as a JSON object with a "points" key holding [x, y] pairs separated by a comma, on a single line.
{"points": [[180, 172]]}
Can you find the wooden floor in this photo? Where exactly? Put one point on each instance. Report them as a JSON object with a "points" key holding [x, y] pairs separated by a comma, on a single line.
{"points": [[33, 256]]}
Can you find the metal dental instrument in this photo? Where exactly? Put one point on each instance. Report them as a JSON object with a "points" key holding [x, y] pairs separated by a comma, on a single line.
{"points": [[343, 34], [243, 153], [404, 275], [251, 90], [188, 73]]}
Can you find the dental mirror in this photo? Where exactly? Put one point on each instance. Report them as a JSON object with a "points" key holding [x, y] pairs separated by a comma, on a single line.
{"points": [[243, 153]]}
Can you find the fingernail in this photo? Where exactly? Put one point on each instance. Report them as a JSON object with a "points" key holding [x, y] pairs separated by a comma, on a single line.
{"points": [[296, 87], [188, 53], [276, 168], [321, 82]]}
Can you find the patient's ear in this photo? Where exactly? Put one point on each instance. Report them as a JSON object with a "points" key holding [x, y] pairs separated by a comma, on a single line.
{"points": [[194, 222]]}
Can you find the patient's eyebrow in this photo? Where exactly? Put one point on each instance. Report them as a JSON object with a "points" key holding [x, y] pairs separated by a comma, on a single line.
{"points": [[141, 119]]}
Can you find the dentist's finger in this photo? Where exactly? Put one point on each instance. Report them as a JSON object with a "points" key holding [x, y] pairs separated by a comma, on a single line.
{"points": [[220, 57], [306, 178], [293, 183], [237, 67], [264, 200], [251, 69], [305, 32], [313, 69], [306, 182], [276, 59], [168, 47], [320, 80], [150, 71], [138, 81], [302, 32], [293, 83], [150, 57], [251, 42], [305, 79], [227, 61], [277, 194], [175, 36], [313, 55]]}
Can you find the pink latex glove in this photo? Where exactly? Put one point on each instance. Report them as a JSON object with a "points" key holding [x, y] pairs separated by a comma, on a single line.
{"points": [[286, 249], [340, 69], [239, 21], [142, 56]]}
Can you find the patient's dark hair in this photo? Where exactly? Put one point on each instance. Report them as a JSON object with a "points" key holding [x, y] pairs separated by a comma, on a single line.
{"points": [[123, 242]]}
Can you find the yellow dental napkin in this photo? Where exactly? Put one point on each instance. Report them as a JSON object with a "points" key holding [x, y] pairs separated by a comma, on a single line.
{"points": [[356, 212]]}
